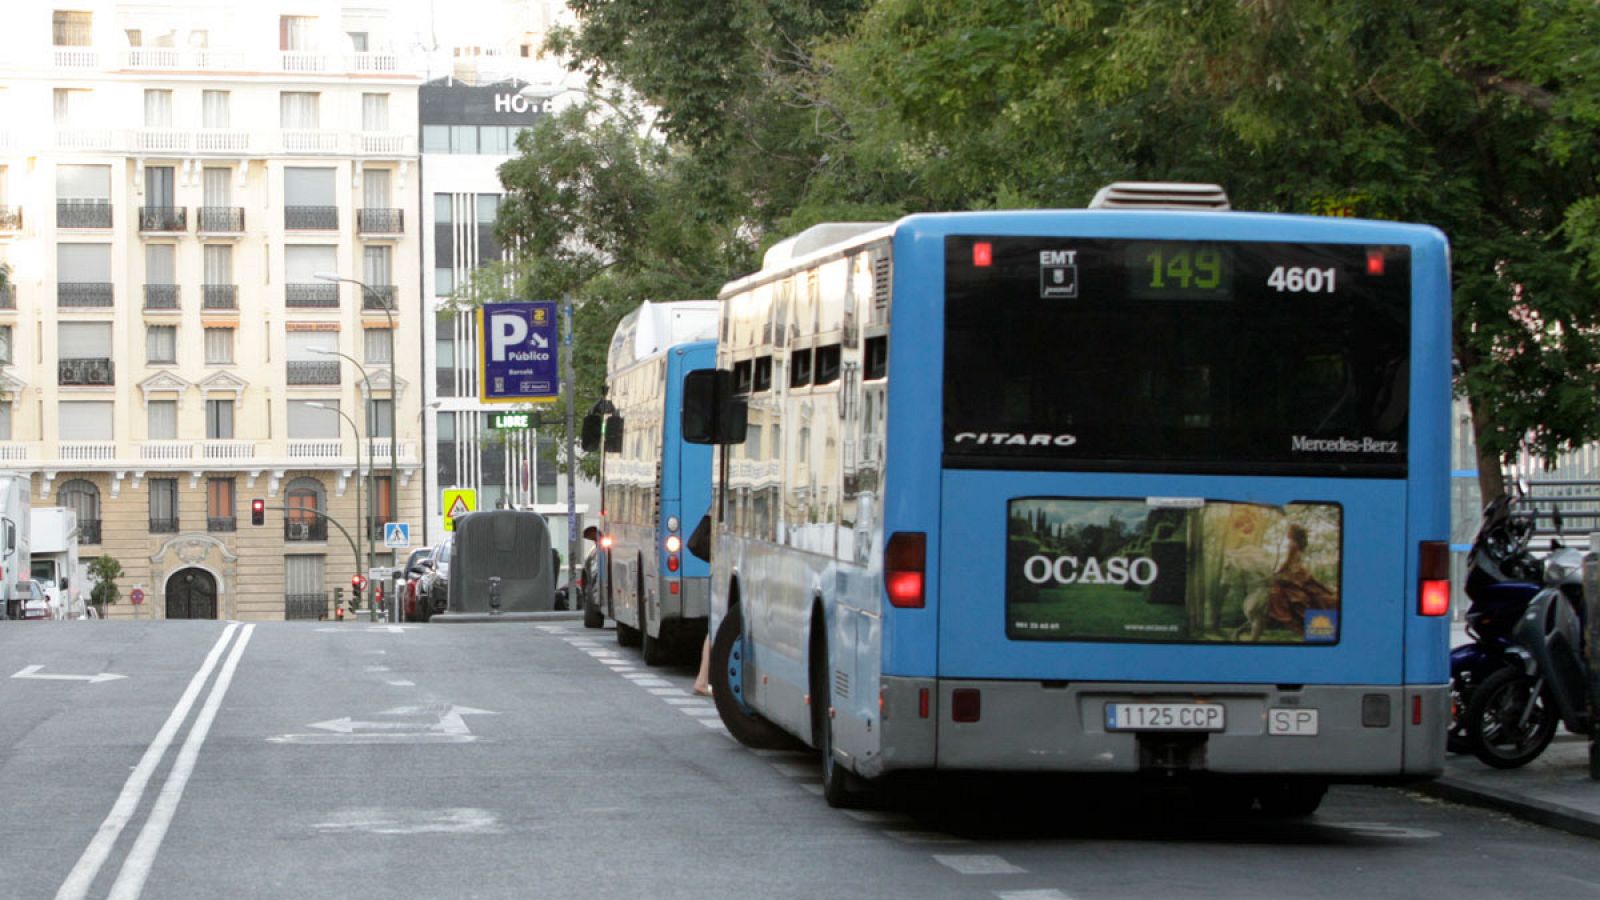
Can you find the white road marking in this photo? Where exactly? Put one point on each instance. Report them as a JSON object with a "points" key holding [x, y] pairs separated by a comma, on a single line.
{"points": [[448, 727], [136, 866], [1042, 894], [377, 668], [83, 874], [403, 683], [463, 820], [370, 629], [650, 682], [669, 692], [978, 864], [702, 711], [925, 837], [32, 672], [686, 701], [713, 724]]}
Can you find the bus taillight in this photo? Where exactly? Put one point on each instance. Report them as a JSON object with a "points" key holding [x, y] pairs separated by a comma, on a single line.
{"points": [[1433, 594], [903, 568]]}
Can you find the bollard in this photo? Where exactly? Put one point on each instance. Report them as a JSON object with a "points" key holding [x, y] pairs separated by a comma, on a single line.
{"points": [[1591, 651], [494, 595]]}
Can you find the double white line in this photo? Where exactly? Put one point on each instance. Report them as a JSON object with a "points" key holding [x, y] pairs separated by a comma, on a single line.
{"points": [[136, 866]]}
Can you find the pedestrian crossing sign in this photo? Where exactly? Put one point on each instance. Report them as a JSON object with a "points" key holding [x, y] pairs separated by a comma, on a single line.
{"points": [[396, 534], [457, 502]]}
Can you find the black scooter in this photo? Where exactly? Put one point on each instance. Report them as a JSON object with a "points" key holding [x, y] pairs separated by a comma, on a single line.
{"points": [[1511, 715]]}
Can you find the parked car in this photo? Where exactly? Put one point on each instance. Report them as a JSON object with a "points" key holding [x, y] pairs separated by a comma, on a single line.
{"points": [[433, 588], [36, 604], [411, 610], [594, 615]]}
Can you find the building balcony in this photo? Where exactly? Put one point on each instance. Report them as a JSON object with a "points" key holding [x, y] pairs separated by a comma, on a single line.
{"points": [[10, 218], [164, 525], [304, 607], [311, 218], [91, 139], [89, 372], [314, 141], [377, 451], [151, 58], [303, 61], [312, 372], [8, 296], [222, 523], [166, 451], [381, 221], [84, 295], [220, 296], [221, 140], [385, 143], [18, 451], [220, 220], [162, 141], [83, 214], [167, 219], [317, 449], [86, 451], [378, 297], [373, 62], [88, 531], [318, 295], [76, 57], [308, 528], [227, 450], [161, 297]]}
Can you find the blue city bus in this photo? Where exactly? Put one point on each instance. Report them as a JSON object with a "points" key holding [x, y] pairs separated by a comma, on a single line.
{"points": [[656, 487], [1154, 487]]}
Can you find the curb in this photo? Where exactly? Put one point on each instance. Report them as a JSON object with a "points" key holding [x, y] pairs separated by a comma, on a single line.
{"points": [[1553, 815], [476, 618]]}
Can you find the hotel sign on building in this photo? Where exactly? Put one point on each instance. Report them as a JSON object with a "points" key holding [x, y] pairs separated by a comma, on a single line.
{"points": [[474, 119]]}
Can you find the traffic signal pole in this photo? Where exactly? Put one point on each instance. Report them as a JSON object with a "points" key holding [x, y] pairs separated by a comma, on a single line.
{"points": [[355, 551]]}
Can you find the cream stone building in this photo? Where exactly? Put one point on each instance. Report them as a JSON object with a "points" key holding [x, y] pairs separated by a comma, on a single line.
{"points": [[178, 180]]}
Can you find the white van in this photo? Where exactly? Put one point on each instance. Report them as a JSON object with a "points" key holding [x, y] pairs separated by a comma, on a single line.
{"points": [[15, 546]]}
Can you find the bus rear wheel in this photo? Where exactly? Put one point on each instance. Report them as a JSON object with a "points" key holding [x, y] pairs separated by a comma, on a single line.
{"points": [[840, 787], [727, 661]]}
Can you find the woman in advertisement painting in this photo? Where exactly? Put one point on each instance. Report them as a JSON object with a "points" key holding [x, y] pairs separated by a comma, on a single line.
{"points": [[1294, 590]]}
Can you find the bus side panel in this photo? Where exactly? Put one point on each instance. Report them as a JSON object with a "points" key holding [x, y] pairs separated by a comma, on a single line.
{"points": [[686, 473], [1428, 637], [911, 471]]}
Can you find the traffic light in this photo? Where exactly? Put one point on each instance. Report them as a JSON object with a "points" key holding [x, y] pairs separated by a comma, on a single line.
{"points": [[358, 583], [258, 511]]}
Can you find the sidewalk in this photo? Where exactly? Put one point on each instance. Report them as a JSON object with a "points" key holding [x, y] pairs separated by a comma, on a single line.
{"points": [[1553, 790]]}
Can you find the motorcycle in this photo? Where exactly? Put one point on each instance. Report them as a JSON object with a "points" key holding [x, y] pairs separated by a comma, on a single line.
{"points": [[1502, 578], [1512, 709]]}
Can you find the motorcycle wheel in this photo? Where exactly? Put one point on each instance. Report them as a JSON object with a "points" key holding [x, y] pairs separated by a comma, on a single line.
{"points": [[1507, 723], [1456, 740]]}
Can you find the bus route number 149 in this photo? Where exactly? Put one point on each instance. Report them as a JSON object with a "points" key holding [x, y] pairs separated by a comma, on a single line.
{"points": [[1297, 280]]}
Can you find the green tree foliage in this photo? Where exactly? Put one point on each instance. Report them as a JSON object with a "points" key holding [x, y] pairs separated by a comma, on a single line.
{"points": [[1477, 116], [104, 571]]}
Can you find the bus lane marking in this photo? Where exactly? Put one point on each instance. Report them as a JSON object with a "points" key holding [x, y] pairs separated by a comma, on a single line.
{"points": [[94, 856], [1041, 894]]}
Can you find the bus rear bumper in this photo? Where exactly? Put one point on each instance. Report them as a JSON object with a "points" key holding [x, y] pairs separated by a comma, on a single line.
{"points": [[1351, 732]]}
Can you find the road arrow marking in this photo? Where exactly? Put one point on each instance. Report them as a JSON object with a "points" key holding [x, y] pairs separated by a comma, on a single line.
{"points": [[384, 629], [448, 726], [32, 672]]}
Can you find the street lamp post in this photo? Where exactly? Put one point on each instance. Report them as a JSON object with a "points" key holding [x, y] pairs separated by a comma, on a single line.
{"points": [[385, 304], [355, 433]]}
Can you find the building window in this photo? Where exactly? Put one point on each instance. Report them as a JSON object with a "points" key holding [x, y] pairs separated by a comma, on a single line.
{"points": [[83, 498], [304, 501], [298, 110], [163, 505], [220, 513], [358, 41], [216, 111], [84, 342], [374, 112], [219, 420], [161, 344], [303, 593], [294, 32], [71, 29], [6, 357], [157, 108], [72, 106], [5, 420], [308, 422], [309, 200], [378, 346], [219, 346], [380, 418], [162, 419]]}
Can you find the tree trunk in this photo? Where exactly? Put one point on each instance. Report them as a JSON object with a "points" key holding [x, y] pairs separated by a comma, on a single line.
{"points": [[1491, 476]]}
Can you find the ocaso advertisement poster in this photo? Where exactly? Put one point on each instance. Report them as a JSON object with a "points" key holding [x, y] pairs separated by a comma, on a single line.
{"points": [[1175, 570]]}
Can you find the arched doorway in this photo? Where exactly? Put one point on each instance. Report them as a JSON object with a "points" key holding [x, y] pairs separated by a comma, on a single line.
{"points": [[191, 594]]}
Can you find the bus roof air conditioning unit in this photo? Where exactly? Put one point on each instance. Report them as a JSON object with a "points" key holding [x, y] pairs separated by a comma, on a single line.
{"points": [[1160, 195]]}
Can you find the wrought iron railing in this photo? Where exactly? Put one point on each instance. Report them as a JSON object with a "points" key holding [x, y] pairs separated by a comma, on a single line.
{"points": [[88, 531], [311, 218], [221, 219], [378, 296], [161, 296], [313, 372], [164, 525], [163, 218], [222, 523], [311, 296], [85, 372], [380, 221], [10, 218], [299, 607], [84, 293], [316, 529], [83, 214], [220, 296]]}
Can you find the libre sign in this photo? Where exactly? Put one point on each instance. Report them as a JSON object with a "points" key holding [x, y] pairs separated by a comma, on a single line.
{"points": [[512, 421], [517, 362]]}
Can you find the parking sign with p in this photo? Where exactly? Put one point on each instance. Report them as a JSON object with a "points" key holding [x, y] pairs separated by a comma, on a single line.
{"points": [[517, 352]]}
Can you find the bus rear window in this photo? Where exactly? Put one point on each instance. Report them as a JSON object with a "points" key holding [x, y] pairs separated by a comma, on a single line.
{"points": [[1202, 356]]}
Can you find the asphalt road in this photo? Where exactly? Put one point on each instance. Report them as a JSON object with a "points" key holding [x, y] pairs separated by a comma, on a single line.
{"points": [[540, 760]]}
